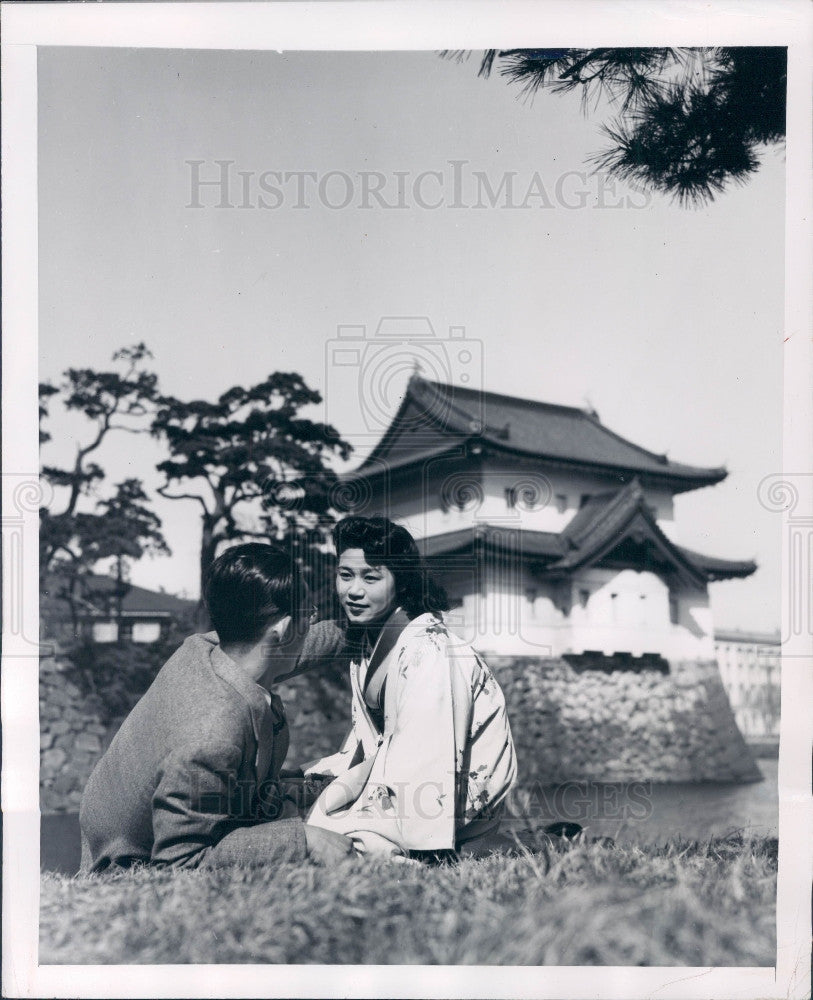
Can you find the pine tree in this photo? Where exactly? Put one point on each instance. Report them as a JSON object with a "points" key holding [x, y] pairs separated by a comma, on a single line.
{"points": [[689, 122]]}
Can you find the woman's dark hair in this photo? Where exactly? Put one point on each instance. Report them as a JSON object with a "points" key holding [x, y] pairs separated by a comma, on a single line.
{"points": [[386, 544], [248, 586]]}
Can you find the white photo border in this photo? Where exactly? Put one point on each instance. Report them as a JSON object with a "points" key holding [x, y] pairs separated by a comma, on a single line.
{"points": [[370, 25]]}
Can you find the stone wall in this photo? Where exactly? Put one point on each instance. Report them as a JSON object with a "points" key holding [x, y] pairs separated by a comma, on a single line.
{"points": [[621, 726], [318, 711], [74, 728]]}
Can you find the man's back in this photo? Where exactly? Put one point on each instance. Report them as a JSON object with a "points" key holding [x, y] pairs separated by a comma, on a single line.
{"points": [[198, 714]]}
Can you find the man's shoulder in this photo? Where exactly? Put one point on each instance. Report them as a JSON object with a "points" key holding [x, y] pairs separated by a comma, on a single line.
{"points": [[199, 645], [186, 705], [194, 650], [190, 676]]}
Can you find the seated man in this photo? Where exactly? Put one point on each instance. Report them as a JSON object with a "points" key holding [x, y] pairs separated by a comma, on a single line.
{"points": [[190, 779]]}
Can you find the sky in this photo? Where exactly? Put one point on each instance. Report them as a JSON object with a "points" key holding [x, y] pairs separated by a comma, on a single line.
{"points": [[569, 288]]}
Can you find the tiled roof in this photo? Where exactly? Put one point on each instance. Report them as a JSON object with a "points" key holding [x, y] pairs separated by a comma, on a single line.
{"points": [[524, 426], [597, 530], [543, 544], [720, 569], [603, 520], [608, 519], [138, 601]]}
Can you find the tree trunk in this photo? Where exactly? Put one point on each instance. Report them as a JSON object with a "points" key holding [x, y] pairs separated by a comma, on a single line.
{"points": [[72, 605], [208, 549], [119, 598]]}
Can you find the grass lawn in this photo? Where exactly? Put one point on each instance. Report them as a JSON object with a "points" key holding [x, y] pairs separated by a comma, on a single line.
{"points": [[567, 903]]}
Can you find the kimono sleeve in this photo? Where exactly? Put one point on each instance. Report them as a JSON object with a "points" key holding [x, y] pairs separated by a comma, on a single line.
{"points": [[419, 757], [197, 808]]}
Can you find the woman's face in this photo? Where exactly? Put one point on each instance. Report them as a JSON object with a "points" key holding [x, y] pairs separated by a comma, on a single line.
{"points": [[367, 593]]}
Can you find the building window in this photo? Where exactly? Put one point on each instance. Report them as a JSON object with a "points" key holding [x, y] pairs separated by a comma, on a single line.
{"points": [[561, 502], [105, 632], [146, 631]]}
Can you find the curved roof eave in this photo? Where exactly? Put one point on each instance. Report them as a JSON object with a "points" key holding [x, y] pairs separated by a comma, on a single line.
{"points": [[717, 569], [462, 425], [681, 481]]}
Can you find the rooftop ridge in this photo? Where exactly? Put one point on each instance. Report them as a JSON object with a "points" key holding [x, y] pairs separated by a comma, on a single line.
{"points": [[501, 395], [660, 457]]}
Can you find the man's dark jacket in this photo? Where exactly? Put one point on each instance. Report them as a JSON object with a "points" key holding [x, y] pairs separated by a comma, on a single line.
{"points": [[190, 778]]}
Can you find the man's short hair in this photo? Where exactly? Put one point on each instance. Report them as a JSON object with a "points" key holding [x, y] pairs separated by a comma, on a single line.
{"points": [[250, 586]]}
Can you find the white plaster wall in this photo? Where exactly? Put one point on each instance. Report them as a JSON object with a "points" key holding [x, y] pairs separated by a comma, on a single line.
{"points": [[628, 611], [509, 614], [694, 618], [515, 615], [417, 503]]}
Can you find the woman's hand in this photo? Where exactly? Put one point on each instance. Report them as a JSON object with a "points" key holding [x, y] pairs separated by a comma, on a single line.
{"points": [[303, 789]]}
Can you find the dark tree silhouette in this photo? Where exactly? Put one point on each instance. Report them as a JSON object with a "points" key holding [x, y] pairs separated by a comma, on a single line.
{"points": [[112, 400], [121, 527], [126, 530], [689, 121], [252, 455]]}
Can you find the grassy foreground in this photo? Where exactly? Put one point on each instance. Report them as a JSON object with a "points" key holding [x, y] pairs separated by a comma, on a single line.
{"points": [[567, 903]]}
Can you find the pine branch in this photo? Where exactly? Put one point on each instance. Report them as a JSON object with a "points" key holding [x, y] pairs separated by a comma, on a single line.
{"points": [[182, 496]]}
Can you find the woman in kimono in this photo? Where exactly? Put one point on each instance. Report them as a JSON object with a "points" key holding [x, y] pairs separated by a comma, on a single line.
{"points": [[429, 759]]}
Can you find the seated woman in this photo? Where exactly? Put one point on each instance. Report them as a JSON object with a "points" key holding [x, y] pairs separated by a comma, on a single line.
{"points": [[429, 760]]}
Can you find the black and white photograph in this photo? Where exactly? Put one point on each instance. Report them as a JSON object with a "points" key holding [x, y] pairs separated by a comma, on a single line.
{"points": [[406, 500]]}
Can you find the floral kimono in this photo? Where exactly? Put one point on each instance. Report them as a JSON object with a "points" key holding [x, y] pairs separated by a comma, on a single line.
{"points": [[435, 774]]}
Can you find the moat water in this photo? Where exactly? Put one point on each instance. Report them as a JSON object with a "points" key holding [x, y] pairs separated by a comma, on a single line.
{"points": [[639, 813], [648, 813]]}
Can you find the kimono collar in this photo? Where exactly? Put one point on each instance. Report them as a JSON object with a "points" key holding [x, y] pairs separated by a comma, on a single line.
{"points": [[387, 638]]}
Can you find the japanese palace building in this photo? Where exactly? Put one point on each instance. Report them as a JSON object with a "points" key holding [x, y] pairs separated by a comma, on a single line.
{"points": [[553, 535]]}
